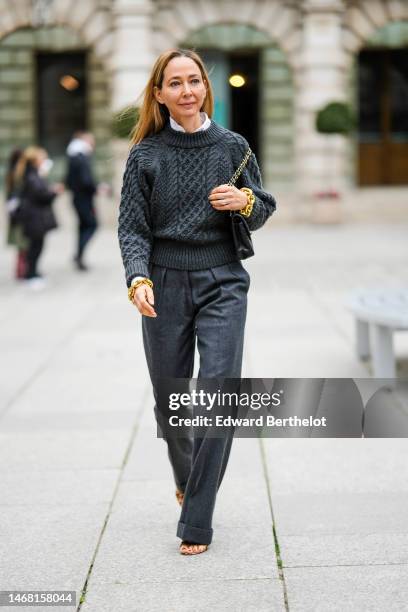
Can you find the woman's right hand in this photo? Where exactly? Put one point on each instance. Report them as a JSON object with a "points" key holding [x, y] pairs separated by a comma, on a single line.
{"points": [[58, 188], [143, 299]]}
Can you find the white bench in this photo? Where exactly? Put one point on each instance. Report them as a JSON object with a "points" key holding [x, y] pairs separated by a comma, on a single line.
{"points": [[378, 313]]}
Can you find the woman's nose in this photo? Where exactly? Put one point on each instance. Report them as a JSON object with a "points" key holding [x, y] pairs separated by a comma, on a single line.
{"points": [[186, 88]]}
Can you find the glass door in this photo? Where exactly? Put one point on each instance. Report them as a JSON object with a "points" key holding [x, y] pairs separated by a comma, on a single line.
{"points": [[383, 117], [61, 99]]}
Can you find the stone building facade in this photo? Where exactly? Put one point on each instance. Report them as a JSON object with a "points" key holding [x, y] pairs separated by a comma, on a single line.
{"points": [[306, 53]]}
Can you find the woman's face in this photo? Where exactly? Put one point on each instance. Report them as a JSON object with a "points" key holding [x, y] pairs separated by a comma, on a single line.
{"points": [[41, 156], [183, 89]]}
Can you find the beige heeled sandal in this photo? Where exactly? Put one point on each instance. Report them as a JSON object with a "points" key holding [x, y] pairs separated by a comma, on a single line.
{"points": [[192, 548], [179, 496]]}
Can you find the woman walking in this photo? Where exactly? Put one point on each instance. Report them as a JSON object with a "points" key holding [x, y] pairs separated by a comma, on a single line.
{"points": [[37, 216], [182, 270]]}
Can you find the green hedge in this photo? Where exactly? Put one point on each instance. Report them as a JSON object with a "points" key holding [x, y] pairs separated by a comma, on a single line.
{"points": [[335, 118]]}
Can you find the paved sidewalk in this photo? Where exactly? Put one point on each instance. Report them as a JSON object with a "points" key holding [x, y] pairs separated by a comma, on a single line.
{"points": [[87, 498]]}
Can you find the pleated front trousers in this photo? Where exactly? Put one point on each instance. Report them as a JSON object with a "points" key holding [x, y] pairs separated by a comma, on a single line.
{"points": [[207, 307]]}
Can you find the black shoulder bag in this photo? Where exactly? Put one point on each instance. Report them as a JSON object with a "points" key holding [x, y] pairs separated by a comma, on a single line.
{"points": [[240, 230]]}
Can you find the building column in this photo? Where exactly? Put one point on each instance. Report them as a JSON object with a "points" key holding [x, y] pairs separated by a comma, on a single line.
{"points": [[320, 77], [130, 67], [132, 58]]}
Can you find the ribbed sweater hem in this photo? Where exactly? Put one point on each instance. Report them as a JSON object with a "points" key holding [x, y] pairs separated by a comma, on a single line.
{"points": [[189, 256]]}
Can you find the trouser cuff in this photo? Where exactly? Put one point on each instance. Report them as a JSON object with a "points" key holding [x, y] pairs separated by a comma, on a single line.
{"points": [[194, 534]]}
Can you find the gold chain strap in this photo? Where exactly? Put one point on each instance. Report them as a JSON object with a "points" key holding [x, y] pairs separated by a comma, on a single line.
{"points": [[240, 167]]}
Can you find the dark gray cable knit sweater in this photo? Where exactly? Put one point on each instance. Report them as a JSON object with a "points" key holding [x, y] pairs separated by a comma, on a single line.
{"points": [[165, 216]]}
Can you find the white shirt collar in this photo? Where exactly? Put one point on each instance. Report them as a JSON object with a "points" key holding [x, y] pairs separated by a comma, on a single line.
{"points": [[205, 123]]}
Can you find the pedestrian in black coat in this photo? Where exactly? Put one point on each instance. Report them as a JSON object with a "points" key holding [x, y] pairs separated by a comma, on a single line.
{"points": [[36, 216], [81, 182]]}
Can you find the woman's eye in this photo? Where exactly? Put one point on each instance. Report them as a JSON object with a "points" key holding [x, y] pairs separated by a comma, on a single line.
{"points": [[173, 83], [195, 81]]}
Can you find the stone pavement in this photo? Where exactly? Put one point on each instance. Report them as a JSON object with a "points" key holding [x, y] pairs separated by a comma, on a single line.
{"points": [[87, 498]]}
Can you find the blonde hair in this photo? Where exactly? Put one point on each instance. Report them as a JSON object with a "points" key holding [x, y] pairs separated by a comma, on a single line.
{"points": [[153, 116], [28, 158]]}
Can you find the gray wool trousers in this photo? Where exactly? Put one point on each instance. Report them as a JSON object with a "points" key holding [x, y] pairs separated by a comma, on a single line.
{"points": [[208, 307]]}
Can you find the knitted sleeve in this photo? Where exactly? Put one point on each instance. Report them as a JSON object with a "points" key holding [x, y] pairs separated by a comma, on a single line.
{"points": [[265, 203], [134, 224]]}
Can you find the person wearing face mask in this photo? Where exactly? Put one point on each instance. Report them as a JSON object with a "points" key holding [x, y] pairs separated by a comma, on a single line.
{"points": [[37, 215], [181, 266], [80, 181]]}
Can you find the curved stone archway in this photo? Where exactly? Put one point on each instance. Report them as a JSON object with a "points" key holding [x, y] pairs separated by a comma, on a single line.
{"points": [[174, 22], [268, 24], [363, 19], [19, 120], [363, 22], [393, 34], [275, 113], [92, 20]]}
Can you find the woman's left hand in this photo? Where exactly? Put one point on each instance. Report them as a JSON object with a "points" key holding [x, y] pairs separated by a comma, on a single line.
{"points": [[227, 197]]}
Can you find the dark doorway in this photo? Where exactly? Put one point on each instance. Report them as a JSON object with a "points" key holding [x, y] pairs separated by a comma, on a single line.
{"points": [[236, 108], [244, 100], [61, 98], [383, 117]]}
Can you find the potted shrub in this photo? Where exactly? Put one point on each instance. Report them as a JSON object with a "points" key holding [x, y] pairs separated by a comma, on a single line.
{"points": [[333, 120]]}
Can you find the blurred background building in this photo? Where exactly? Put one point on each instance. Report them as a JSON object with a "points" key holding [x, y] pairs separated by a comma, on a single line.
{"points": [[71, 64]]}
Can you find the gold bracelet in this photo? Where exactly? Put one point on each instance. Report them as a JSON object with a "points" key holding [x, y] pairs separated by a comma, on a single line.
{"points": [[132, 288], [246, 211]]}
